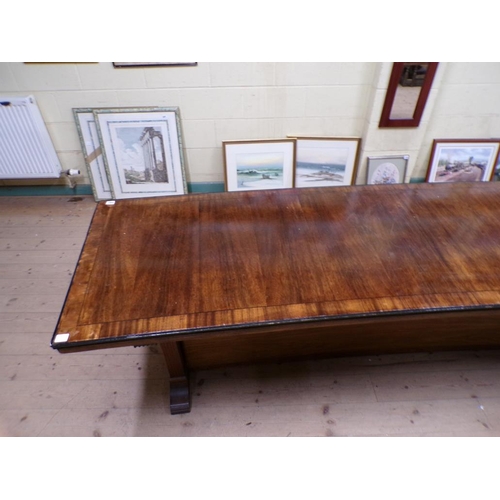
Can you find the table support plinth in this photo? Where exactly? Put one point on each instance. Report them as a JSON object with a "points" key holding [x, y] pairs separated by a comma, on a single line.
{"points": [[180, 397]]}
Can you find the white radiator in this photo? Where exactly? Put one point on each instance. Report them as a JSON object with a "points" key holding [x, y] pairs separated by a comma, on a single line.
{"points": [[26, 150]]}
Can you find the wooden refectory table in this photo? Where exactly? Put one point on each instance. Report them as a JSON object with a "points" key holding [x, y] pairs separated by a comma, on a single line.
{"points": [[243, 277]]}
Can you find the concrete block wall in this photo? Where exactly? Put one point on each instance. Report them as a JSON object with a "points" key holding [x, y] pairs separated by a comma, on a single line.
{"points": [[466, 106], [228, 101]]}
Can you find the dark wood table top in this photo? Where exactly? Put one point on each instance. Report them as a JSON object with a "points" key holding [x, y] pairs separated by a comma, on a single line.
{"points": [[171, 266]]}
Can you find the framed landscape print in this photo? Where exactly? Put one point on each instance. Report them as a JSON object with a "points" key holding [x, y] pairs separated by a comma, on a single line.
{"points": [[496, 175], [142, 150], [326, 161], [462, 160], [264, 164], [91, 148], [386, 169]]}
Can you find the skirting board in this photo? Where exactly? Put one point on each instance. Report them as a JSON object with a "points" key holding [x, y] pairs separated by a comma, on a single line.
{"points": [[86, 189]]}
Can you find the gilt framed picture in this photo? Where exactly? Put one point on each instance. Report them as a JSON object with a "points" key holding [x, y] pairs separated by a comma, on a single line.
{"points": [[151, 64], [386, 169], [91, 148], [142, 151], [260, 164], [326, 161], [462, 160]]}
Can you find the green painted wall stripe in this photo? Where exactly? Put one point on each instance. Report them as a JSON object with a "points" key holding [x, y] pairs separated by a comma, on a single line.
{"points": [[79, 189], [86, 189], [206, 187]]}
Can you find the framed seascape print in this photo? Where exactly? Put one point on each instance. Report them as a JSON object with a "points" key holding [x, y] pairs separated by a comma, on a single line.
{"points": [[263, 164], [91, 149], [326, 161], [386, 169], [462, 160], [142, 150]]}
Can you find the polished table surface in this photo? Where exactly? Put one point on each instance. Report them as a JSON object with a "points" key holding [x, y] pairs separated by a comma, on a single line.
{"points": [[244, 277], [185, 265]]}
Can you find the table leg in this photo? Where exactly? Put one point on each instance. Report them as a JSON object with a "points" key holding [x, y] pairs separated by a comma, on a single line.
{"points": [[180, 398]]}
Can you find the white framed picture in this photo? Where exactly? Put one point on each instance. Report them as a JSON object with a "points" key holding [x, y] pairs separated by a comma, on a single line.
{"points": [[259, 164], [326, 161], [142, 151], [89, 140]]}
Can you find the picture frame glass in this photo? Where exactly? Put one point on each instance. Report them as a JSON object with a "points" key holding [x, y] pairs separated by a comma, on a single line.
{"points": [[325, 162], [257, 165], [386, 169], [91, 148], [496, 173], [142, 152], [462, 161]]}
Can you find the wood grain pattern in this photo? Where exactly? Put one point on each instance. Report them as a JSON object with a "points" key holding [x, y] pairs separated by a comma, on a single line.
{"points": [[389, 334], [181, 266], [125, 391]]}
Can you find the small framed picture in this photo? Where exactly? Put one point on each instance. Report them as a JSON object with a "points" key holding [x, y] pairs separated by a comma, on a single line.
{"points": [[89, 140], [459, 160], [142, 151], [151, 64], [326, 161], [261, 164], [386, 169]]}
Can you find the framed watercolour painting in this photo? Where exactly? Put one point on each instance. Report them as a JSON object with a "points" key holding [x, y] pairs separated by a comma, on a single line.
{"points": [[142, 150], [89, 140], [462, 160], [386, 169], [326, 161], [264, 164]]}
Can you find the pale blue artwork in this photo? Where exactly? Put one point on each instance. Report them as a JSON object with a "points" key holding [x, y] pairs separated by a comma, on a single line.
{"points": [[139, 152], [260, 170], [320, 166]]}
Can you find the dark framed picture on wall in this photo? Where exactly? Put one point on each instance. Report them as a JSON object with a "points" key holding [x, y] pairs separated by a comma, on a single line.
{"points": [[463, 160], [386, 169], [151, 64]]}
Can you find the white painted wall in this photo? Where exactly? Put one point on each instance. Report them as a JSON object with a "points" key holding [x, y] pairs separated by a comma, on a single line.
{"points": [[224, 101]]}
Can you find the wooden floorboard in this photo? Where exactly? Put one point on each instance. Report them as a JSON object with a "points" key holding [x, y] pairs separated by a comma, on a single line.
{"points": [[124, 391]]}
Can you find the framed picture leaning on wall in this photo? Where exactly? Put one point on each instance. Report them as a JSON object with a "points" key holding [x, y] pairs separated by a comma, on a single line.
{"points": [[326, 161], [462, 160], [386, 169], [259, 164], [496, 174], [91, 148], [142, 150]]}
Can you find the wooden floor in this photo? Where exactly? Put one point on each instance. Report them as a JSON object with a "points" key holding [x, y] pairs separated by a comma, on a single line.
{"points": [[124, 392]]}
